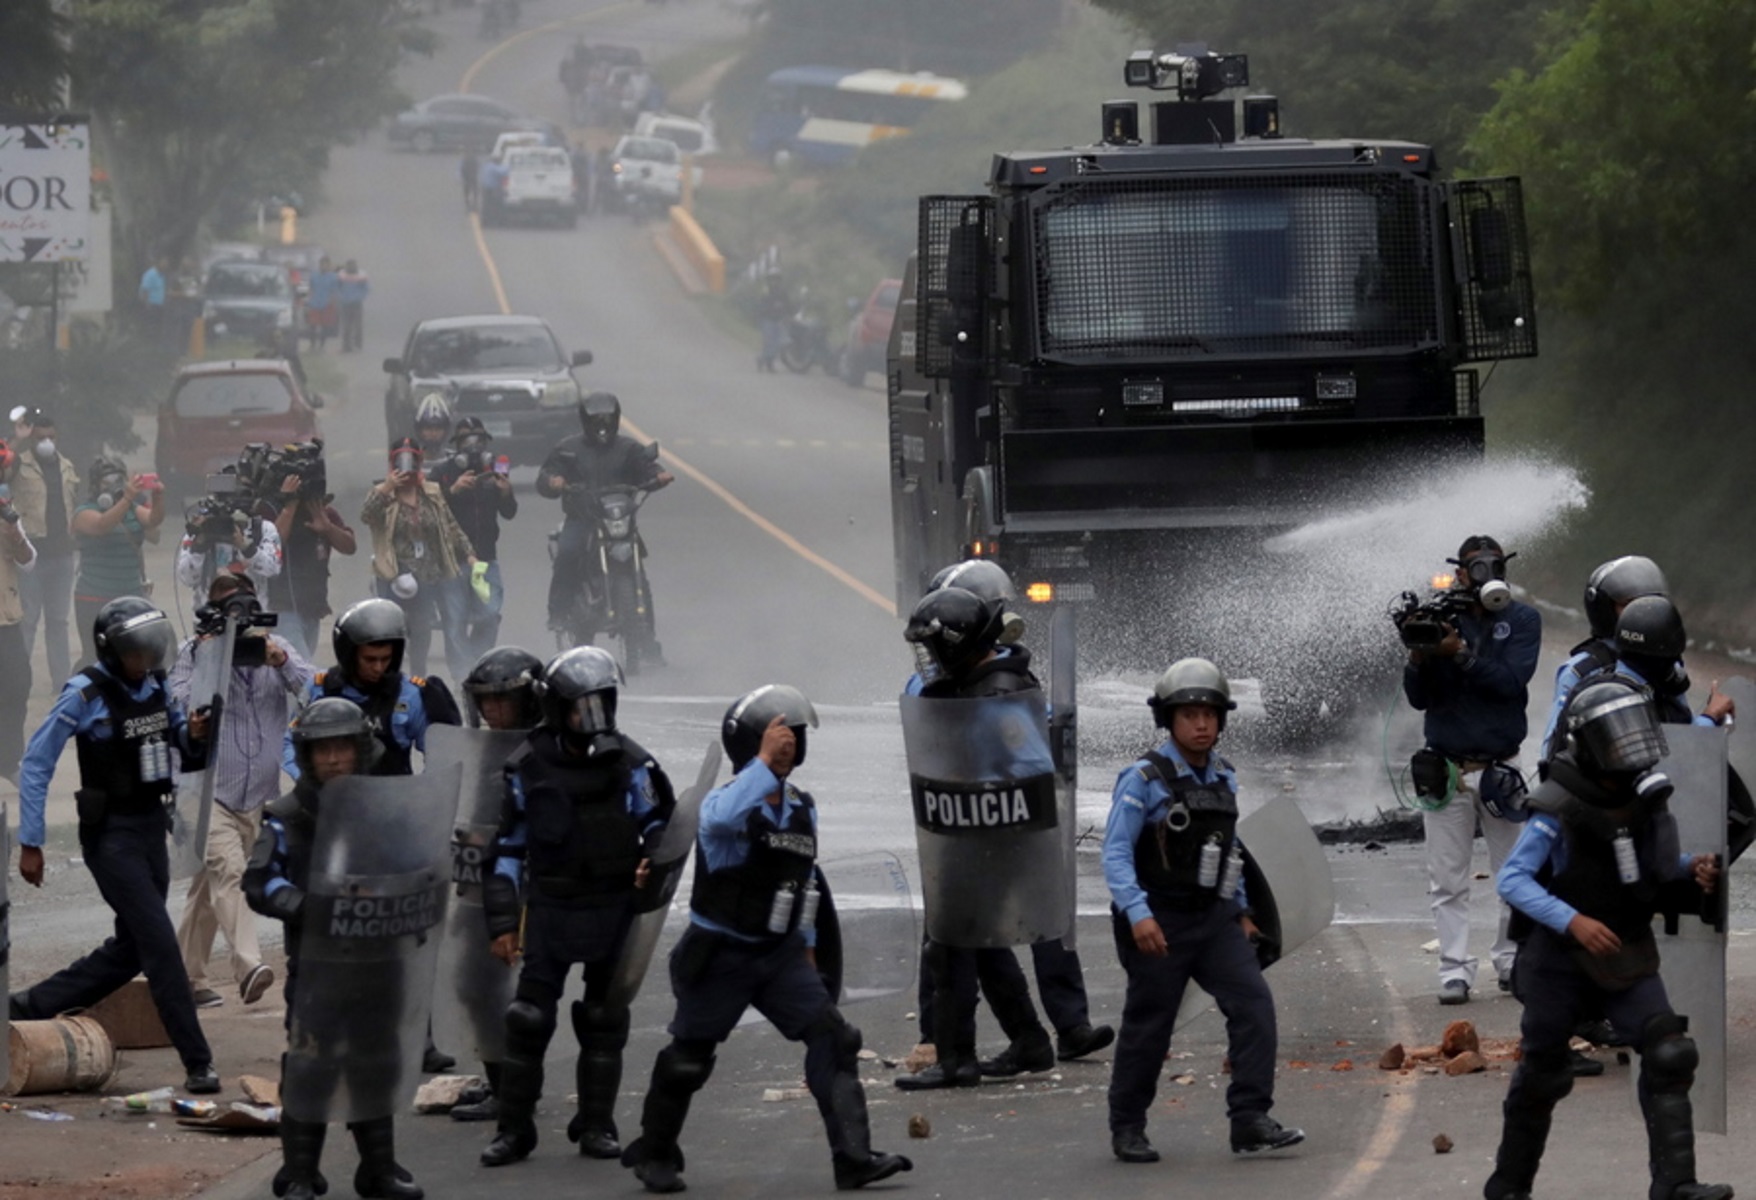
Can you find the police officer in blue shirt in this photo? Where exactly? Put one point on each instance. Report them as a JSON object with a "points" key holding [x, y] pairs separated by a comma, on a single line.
{"points": [[1175, 872], [369, 639], [124, 723], [585, 806], [751, 940], [1590, 870]]}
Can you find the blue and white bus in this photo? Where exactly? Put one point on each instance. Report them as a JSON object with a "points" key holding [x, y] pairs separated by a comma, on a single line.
{"points": [[826, 115]]}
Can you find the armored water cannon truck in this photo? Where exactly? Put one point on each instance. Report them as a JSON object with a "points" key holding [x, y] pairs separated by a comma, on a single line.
{"points": [[1125, 350]]}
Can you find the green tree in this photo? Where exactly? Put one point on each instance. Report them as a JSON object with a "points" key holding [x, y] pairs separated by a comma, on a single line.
{"points": [[190, 97], [33, 57]]}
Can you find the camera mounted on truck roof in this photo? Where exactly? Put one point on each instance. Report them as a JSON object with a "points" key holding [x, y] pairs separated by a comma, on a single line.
{"points": [[1196, 75]]}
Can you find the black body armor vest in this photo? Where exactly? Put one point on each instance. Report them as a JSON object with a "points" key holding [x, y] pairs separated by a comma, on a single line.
{"points": [[582, 843], [1591, 882], [379, 706], [132, 767], [781, 859], [1167, 858]]}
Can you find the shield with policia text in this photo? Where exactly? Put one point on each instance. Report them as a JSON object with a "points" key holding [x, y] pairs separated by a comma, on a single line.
{"points": [[373, 917], [652, 903], [471, 987], [991, 819], [1692, 934], [193, 811]]}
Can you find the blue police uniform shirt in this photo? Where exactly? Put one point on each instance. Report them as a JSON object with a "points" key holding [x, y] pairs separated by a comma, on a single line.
{"points": [[1137, 802], [724, 833], [1568, 677], [1541, 842], [71, 716], [640, 802], [408, 721], [1477, 707]]}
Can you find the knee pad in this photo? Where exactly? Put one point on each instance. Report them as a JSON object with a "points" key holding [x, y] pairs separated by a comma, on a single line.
{"points": [[1668, 1056], [1548, 1076], [598, 1023], [684, 1065], [528, 1021]]}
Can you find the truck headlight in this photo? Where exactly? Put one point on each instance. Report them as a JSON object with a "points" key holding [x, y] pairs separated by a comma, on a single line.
{"points": [[562, 393]]}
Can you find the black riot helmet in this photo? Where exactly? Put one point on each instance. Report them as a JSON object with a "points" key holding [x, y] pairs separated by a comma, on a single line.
{"points": [[332, 717], [750, 715], [952, 630], [580, 681], [1650, 629], [1613, 728], [1616, 583], [502, 671], [1190, 681], [368, 623], [600, 417], [131, 635], [989, 580]]}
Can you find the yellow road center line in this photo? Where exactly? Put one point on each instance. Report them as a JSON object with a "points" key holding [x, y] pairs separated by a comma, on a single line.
{"points": [[857, 586]]}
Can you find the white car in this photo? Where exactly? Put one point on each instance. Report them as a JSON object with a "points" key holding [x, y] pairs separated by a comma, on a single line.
{"points": [[693, 137], [535, 183], [647, 169]]}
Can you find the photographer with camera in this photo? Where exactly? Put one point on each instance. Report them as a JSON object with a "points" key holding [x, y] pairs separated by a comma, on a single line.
{"points": [[244, 753], [108, 530], [1472, 652], [227, 535], [310, 531], [18, 557], [478, 486]]}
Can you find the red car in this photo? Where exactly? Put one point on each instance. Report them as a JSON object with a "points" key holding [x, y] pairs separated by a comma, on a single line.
{"points": [[869, 333], [215, 409]]}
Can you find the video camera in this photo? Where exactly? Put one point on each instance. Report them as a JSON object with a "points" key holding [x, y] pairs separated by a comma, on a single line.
{"points": [[1423, 624], [214, 519], [245, 611], [302, 461]]}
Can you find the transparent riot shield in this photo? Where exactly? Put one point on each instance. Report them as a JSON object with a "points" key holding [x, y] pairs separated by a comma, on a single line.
{"points": [[1288, 885], [368, 944], [193, 810], [652, 903], [472, 988], [1741, 755], [1064, 744], [1692, 945], [988, 821], [867, 938], [5, 942]]}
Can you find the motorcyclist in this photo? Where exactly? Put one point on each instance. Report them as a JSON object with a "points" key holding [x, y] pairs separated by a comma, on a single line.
{"points": [[433, 427], [598, 456]]}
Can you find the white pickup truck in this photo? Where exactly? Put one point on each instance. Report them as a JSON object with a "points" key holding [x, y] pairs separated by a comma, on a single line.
{"points": [[531, 183]]}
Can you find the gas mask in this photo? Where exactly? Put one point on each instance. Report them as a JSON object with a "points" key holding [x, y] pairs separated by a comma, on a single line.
{"points": [[109, 489], [1485, 576]]}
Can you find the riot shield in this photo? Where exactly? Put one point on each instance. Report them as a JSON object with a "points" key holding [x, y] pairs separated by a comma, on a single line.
{"points": [[472, 988], [867, 939], [652, 903], [988, 821], [368, 944], [193, 810], [1288, 885], [1692, 943], [1741, 773], [5, 943], [1064, 742]]}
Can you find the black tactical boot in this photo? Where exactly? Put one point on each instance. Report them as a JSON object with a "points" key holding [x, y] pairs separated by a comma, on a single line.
{"points": [[850, 1135], [1253, 1135], [1131, 1146], [301, 1149], [1082, 1040], [379, 1174], [957, 1067], [598, 1077], [1670, 1136], [519, 1088], [1540, 1083], [1033, 1052], [483, 1103], [681, 1070]]}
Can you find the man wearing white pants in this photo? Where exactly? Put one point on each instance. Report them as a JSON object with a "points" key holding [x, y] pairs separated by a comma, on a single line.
{"points": [[1471, 686]]}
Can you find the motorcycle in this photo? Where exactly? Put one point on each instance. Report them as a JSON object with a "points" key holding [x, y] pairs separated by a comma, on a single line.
{"points": [[615, 598], [807, 342]]}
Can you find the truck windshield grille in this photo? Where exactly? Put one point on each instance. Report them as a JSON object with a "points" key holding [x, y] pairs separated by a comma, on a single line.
{"points": [[1187, 268]]}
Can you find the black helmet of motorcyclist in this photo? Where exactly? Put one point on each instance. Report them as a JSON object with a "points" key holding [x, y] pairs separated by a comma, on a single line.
{"points": [[751, 714], [600, 417], [989, 580], [133, 638], [369, 623], [505, 671], [328, 718], [1191, 681], [578, 693], [108, 476], [1613, 584], [470, 431], [1613, 728], [432, 423], [951, 631]]}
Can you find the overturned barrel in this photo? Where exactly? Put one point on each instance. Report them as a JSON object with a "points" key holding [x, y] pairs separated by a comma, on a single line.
{"points": [[66, 1054]]}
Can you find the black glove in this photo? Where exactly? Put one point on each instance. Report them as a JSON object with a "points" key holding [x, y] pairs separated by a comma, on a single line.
{"points": [[500, 905]]}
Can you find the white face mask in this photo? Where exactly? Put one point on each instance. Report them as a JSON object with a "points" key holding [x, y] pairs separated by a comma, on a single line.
{"points": [[45, 448]]}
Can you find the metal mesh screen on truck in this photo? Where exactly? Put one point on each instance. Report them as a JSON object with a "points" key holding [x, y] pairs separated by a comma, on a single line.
{"points": [[1307, 263], [950, 279], [1497, 300]]}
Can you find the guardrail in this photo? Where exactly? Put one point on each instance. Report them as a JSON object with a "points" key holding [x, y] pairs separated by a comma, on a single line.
{"points": [[699, 249]]}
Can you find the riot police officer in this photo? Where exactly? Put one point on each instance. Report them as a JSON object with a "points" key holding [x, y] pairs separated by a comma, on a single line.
{"points": [[123, 721], [1180, 913], [330, 738], [751, 940], [369, 639], [585, 805], [1586, 877], [499, 694], [956, 634]]}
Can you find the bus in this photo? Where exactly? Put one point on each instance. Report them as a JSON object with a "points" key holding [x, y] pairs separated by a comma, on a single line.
{"points": [[826, 115]]}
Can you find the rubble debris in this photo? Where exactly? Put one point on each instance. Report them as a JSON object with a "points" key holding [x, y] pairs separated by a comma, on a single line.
{"points": [[919, 1126], [1442, 1144], [1392, 1059]]}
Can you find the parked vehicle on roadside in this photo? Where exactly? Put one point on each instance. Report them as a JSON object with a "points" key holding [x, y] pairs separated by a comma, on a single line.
{"points": [[215, 408], [692, 136], [457, 122], [249, 299], [535, 183], [868, 333]]}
